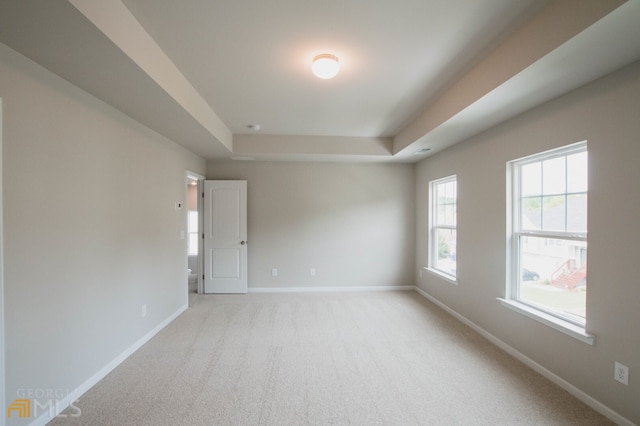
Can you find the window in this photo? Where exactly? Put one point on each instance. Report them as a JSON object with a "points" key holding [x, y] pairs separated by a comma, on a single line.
{"points": [[549, 234], [192, 231], [442, 236]]}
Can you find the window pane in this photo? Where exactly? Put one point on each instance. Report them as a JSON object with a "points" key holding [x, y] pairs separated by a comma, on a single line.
{"points": [[531, 179], [445, 261], [553, 213], [531, 217], [440, 216], [451, 192], [577, 175], [553, 176], [577, 213], [553, 275], [441, 194], [450, 214]]}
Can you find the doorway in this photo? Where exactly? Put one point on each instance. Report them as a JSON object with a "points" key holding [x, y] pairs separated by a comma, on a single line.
{"points": [[194, 206]]}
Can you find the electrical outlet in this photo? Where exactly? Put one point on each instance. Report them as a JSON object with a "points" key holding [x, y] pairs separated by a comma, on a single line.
{"points": [[274, 272], [312, 272], [621, 373], [143, 311]]}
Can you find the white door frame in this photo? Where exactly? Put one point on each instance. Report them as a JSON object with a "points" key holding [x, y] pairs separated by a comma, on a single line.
{"points": [[189, 175]]}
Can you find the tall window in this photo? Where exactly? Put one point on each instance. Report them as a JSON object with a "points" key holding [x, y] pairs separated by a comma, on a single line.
{"points": [[442, 237], [549, 238]]}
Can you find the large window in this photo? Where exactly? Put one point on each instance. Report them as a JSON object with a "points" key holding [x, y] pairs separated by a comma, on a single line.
{"points": [[549, 233], [442, 236]]}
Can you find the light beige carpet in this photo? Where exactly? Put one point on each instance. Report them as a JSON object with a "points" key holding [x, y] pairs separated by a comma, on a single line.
{"points": [[387, 358]]}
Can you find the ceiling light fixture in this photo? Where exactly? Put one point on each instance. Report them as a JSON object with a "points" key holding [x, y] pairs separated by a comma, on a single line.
{"points": [[325, 66]]}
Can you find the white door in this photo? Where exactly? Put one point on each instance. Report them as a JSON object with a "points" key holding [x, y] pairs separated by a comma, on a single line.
{"points": [[225, 236]]}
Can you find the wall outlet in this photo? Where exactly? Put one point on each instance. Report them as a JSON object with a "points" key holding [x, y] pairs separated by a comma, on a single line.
{"points": [[312, 272], [274, 272], [143, 311], [621, 373]]}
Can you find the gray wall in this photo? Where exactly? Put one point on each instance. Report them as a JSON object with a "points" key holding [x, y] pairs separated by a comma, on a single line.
{"points": [[353, 223], [91, 232], [606, 113]]}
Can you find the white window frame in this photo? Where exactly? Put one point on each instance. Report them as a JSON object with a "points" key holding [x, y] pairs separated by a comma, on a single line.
{"points": [[433, 228], [564, 323]]}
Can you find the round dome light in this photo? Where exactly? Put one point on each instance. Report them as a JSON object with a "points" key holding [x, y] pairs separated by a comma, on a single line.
{"points": [[325, 66]]}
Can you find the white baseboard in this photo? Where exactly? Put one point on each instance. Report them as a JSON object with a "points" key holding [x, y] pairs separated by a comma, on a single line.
{"points": [[328, 289], [73, 396], [582, 396]]}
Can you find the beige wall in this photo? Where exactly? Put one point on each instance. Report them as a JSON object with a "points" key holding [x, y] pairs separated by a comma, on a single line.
{"points": [[606, 113], [91, 232], [353, 223]]}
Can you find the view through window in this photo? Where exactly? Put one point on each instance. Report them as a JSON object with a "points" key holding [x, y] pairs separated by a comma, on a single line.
{"points": [[550, 232]]}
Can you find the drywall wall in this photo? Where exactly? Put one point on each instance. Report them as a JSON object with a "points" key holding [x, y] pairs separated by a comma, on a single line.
{"points": [[352, 223], [91, 232], [605, 113]]}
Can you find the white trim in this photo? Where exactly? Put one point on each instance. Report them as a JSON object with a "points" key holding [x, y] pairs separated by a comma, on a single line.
{"points": [[573, 390], [566, 327], [329, 289], [193, 175], [448, 278], [189, 175], [100, 374]]}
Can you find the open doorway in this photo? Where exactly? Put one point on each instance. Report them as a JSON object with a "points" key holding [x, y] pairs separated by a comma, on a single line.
{"points": [[194, 231]]}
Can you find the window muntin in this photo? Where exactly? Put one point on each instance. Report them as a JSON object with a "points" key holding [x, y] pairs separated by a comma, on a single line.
{"points": [[443, 232], [550, 232]]}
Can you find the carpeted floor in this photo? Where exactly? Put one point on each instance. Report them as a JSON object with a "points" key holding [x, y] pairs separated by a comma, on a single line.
{"points": [[389, 358]]}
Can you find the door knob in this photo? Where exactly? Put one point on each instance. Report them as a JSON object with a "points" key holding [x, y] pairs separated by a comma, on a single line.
{"points": [[243, 242]]}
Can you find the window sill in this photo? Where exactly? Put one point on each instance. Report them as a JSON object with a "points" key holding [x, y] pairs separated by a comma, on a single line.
{"points": [[565, 327], [448, 278]]}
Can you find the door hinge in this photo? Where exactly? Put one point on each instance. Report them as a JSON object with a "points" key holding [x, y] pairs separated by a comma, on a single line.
{"points": [[203, 195], [203, 235]]}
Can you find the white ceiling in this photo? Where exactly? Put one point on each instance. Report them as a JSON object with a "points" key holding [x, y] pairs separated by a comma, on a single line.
{"points": [[414, 73]]}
